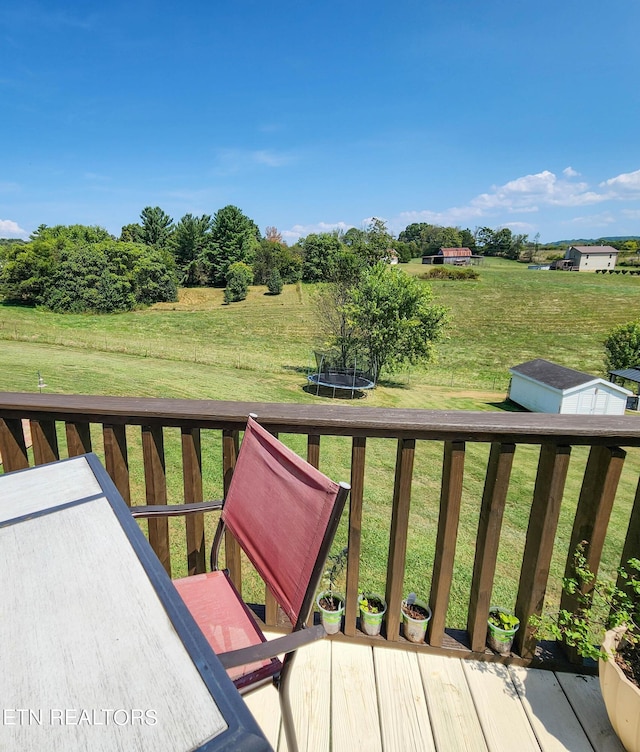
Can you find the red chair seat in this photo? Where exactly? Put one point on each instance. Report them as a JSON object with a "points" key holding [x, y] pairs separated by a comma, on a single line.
{"points": [[226, 622]]}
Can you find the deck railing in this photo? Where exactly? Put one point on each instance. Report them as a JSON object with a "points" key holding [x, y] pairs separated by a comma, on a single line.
{"points": [[606, 437]]}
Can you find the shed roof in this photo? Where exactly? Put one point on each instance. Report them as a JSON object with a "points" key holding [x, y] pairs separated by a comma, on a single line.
{"points": [[632, 374], [552, 374], [595, 249], [454, 252]]}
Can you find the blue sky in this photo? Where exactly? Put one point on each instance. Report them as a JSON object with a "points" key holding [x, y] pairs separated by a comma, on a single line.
{"points": [[316, 115]]}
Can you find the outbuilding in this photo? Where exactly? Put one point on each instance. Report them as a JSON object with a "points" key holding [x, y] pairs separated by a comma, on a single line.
{"points": [[591, 258], [545, 387]]}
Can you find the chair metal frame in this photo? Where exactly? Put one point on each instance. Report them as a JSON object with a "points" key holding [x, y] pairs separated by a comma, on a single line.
{"points": [[301, 633]]}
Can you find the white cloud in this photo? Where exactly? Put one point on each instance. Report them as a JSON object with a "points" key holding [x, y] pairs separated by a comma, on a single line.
{"points": [[543, 188], [604, 219], [624, 184], [301, 231], [231, 161], [524, 195], [11, 229]]}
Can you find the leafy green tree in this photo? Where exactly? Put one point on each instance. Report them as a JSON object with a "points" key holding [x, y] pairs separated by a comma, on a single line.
{"points": [[78, 268], [131, 233], [274, 283], [107, 277], [622, 347], [428, 239], [468, 240], [24, 271], [157, 227], [27, 268], [378, 241], [190, 238], [484, 240], [318, 254], [394, 317], [270, 255], [234, 238], [405, 251], [239, 277]]}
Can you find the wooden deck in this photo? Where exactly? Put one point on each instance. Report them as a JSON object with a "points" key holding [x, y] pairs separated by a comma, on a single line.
{"points": [[379, 699]]}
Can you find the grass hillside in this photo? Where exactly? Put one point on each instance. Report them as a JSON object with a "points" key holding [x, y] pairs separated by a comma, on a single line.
{"points": [[260, 349]]}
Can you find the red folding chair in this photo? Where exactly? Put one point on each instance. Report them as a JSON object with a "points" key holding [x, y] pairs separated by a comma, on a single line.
{"points": [[284, 514]]}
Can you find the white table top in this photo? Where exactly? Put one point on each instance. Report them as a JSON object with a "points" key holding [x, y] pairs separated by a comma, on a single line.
{"points": [[90, 658]]}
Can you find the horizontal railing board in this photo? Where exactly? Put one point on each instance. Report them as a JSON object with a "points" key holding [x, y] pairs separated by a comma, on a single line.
{"points": [[442, 425]]}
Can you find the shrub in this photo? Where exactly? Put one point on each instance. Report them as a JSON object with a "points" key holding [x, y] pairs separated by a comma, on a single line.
{"points": [[447, 271], [274, 282], [622, 347], [239, 277]]}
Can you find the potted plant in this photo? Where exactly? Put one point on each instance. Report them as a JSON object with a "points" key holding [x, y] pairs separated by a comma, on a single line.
{"points": [[373, 607], [331, 603], [609, 614], [415, 617], [502, 626]]}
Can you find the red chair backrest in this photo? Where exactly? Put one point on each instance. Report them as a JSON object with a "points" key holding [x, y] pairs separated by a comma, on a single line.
{"points": [[281, 510]]}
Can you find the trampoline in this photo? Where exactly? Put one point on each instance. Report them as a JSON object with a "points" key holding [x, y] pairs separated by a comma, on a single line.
{"points": [[344, 379]]}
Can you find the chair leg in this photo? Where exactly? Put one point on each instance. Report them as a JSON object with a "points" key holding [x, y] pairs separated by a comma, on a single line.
{"points": [[285, 704]]}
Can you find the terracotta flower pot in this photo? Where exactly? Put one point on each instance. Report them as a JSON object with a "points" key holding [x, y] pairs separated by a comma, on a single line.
{"points": [[621, 697]]}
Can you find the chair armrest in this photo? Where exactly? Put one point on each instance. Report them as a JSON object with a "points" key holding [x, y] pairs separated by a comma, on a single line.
{"points": [[175, 510], [271, 648]]}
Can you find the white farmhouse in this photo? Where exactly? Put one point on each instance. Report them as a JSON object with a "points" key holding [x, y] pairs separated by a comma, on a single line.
{"points": [[545, 387], [588, 258]]}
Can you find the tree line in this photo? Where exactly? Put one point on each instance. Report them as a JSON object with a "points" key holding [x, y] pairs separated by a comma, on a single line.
{"points": [[78, 268]]}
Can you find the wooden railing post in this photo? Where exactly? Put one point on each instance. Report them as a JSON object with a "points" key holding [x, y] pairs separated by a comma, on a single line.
{"points": [[313, 450], [358, 450], [13, 448], [398, 538], [116, 458], [631, 548], [233, 562], [592, 515], [192, 484], [450, 501], [45, 441], [493, 500], [78, 438], [156, 491], [543, 522]]}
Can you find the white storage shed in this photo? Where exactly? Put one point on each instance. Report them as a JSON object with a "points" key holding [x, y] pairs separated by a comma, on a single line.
{"points": [[545, 387]]}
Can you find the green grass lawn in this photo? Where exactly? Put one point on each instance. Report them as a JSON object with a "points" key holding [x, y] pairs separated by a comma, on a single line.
{"points": [[260, 349]]}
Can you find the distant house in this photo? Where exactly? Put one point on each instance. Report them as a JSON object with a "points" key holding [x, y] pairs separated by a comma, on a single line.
{"points": [[457, 256], [589, 258], [545, 387]]}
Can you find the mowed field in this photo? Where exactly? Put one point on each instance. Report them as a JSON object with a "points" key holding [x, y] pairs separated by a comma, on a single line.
{"points": [[260, 350]]}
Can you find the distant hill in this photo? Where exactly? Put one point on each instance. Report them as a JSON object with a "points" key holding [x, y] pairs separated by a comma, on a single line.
{"points": [[594, 241]]}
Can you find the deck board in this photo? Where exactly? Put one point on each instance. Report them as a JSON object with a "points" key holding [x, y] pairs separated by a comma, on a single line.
{"points": [[504, 722], [584, 695], [403, 708], [549, 711], [451, 708], [310, 687], [386, 700], [354, 700]]}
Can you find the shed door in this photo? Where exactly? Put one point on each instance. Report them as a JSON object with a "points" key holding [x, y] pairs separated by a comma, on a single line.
{"points": [[587, 402]]}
